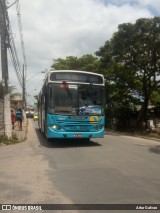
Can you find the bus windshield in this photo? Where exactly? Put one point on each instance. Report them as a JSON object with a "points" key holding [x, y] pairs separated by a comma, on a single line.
{"points": [[75, 99]]}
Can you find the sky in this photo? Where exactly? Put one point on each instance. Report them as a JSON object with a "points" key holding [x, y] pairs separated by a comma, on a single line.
{"points": [[59, 28]]}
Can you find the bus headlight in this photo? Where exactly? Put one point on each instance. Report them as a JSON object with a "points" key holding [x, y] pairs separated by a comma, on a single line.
{"points": [[101, 126], [56, 127], [98, 127]]}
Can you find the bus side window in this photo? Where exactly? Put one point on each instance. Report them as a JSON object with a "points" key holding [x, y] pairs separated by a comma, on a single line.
{"points": [[50, 92], [50, 97]]}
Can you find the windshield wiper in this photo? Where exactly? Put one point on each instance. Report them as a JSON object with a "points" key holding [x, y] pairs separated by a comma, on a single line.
{"points": [[68, 92]]}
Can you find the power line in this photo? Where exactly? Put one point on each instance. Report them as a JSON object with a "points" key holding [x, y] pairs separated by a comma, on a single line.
{"points": [[9, 41], [21, 35], [23, 50], [11, 45]]}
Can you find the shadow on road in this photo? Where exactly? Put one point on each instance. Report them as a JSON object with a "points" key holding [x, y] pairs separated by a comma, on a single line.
{"points": [[64, 143], [155, 149]]}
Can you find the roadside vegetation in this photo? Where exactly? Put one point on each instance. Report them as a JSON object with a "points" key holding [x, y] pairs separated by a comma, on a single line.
{"points": [[130, 63], [12, 91], [4, 140]]}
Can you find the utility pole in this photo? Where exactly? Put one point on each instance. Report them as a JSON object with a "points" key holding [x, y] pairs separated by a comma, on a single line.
{"points": [[4, 64], [23, 89]]}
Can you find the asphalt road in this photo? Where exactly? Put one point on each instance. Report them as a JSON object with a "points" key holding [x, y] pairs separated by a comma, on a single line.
{"points": [[114, 170]]}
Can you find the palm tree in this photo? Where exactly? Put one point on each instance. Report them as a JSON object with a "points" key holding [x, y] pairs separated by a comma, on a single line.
{"points": [[12, 92]]}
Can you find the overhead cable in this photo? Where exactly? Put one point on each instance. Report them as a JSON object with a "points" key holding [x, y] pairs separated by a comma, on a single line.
{"points": [[11, 45], [21, 35]]}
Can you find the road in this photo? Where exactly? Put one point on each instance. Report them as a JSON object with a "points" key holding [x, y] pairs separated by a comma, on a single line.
{"points": [[114, 170]]}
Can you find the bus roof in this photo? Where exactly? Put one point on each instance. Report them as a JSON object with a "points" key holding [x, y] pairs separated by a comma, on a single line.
{"points": [[81, 77]]}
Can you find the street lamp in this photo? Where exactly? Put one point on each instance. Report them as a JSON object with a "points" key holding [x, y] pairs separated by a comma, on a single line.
{"points": [[12, 4], [35, 75], [45, 71]]}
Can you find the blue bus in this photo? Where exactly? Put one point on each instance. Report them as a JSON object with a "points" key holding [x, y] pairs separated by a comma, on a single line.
{"points": [[71, 105]]}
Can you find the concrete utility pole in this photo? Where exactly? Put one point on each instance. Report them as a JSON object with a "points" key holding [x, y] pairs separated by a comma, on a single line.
{"points": [[23, 89], [4, 63]]}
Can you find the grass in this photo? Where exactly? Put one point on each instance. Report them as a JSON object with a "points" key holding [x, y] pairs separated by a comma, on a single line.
{"points": [[7, 141]]}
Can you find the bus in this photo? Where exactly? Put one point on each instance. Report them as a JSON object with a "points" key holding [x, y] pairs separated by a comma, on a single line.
{"points": [[71, 105]]}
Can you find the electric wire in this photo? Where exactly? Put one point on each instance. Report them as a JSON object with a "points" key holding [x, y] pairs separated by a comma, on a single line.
{"points": [[11, 45], [21, 37]]}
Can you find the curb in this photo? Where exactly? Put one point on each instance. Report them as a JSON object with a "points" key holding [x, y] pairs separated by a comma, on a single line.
{"points": [[132, 135]]}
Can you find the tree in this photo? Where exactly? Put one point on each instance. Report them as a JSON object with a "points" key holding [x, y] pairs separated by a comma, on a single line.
{"points": [[137, 48], [121, 103], [85, 62], [155, 97], [12, 91], [65, 64]]}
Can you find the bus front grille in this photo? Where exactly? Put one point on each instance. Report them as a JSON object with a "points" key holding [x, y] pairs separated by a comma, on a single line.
{"points": [[77, 128]]}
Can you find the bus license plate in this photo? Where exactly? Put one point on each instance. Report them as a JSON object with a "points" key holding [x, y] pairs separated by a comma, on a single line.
{"points": [[77, 135]]}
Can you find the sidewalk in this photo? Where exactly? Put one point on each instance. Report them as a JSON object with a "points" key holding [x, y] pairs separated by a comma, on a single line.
{"points": [[18, 135], [21, 134]]}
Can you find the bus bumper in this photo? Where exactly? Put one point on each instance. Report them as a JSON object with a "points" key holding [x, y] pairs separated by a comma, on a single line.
{"points": [[58, 134]]}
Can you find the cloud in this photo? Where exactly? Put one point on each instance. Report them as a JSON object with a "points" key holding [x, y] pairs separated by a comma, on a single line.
{"points": [[59, 28], [68, 27]]}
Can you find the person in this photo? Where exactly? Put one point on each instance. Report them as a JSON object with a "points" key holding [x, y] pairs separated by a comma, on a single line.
{"points": [[13, 118], [19, 117]]}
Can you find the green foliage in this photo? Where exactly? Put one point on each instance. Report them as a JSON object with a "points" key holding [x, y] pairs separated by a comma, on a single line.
{"points": [[131, 60], [36, 97], [14, 138], [130, 63], [65, 64], [86, 63], [7, 141], [3, 139], [11, 91], [155, 98]]}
